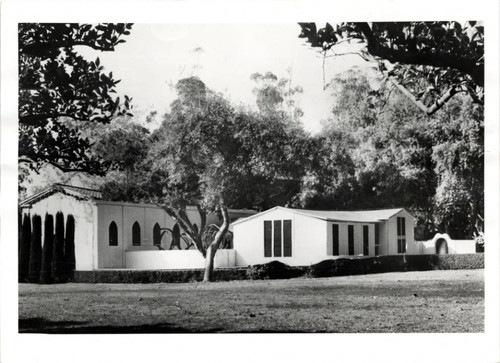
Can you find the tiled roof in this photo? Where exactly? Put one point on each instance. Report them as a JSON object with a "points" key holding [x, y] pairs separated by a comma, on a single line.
{"points": [[77, 192]]}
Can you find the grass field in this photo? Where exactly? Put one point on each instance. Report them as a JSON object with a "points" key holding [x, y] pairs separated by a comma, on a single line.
{"points": [[430, 301]]}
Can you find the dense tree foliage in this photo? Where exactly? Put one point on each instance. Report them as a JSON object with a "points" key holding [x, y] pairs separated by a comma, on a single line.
{"points": [[277, 96], [429, 62], [379, 151], [57, 84]]}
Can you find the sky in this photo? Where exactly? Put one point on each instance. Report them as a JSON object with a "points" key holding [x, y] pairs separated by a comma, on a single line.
{"points": [[155, 56]]}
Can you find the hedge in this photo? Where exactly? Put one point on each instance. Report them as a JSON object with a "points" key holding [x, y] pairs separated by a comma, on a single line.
{"points": [[47, 251], [58, 265], [155, 276], [278, 270], [381, 264], [24, 250], [274, 270], [35, 263]]}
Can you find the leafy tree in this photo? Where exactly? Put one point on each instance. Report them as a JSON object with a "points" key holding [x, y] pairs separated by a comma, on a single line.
{"points": [[277, 96], [56, 84], [36, 250], [429, 62], [210, 155], [459, 158], [24, 251], [48, 246]]}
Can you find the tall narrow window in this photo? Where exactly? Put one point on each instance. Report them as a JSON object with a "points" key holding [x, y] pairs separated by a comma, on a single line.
{"points": [[113, 234], [366, 241], [277, 238], [136, 234], [268, 230], [335, 239], [287, 238], [401, 231], [350, 239], [377, 239], [157, 235]]}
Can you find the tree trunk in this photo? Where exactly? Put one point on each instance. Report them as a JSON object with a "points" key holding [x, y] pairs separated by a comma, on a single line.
{"points": [[214, 246], [209, 263]]}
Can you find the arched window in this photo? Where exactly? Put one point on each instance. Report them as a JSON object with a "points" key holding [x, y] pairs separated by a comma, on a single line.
{"points": [[113, 234], [136, 234], [157, 235]]}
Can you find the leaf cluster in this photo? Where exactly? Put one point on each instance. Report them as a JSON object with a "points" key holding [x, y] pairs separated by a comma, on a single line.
{"points": [[57, 84]]}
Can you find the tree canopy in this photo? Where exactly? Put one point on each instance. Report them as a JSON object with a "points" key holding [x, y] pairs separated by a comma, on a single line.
{"points": [[57, 84], [429, 62], [379, 151]]}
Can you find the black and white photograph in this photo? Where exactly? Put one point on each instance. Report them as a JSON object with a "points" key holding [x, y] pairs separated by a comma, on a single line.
{"points": [[213, 182]]}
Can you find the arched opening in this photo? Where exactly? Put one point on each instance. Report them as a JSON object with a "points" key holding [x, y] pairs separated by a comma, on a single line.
{"points": [[157, 235], [113, 234], [441, 247], [136, 234]]}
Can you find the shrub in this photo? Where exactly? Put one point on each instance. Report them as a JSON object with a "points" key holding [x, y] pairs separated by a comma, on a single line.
{"points": [[273, 270], [381, 264], [48, 246], [35, 250], [24, 251], [58, 251], [69, 247]]}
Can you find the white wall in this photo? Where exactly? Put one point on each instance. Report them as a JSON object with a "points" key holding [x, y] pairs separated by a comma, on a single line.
{"points": [[308, 239], [175, 259], [84, 232], [358, 239], [462, 246], [391, 247], [454, 246], [125, 215]]}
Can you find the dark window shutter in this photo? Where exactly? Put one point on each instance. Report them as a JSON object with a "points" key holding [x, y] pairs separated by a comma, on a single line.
{"points": [[399, 226], [366, 243], [113, 234], [403, 226], [350, 237], [277, 238], [335, 236], [287, 238], [157, 235], [136, 234], [268, 227]]}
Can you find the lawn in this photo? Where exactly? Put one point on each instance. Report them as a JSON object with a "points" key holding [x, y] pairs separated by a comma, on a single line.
{"points": [[430, 301]]}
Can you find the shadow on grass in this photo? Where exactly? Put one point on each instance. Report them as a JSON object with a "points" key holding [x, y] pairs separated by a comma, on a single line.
{"points": [[44, 326], [41, 325]]}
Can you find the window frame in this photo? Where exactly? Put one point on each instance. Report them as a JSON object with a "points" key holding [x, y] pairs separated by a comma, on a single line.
{"points": [[113, 227], [335, 240], [278, 238], [136, 234], [401, 234], [157, 233], [366, 240], [350, 240]]}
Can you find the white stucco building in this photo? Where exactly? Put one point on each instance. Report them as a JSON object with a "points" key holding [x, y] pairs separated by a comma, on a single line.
{"points": [[303, 237], [121, 235]]}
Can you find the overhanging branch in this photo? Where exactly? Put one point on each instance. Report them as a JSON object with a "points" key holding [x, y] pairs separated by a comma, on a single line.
{"points": [[429, 110]]}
